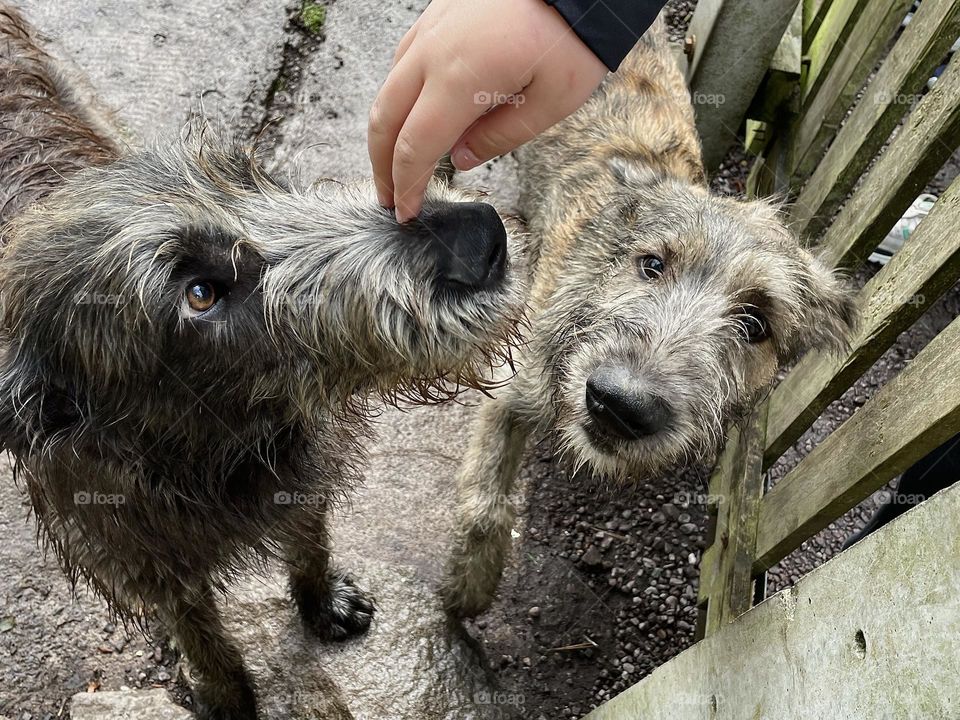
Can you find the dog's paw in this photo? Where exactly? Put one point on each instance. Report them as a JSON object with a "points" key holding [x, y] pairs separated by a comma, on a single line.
{"points": [[473, 572], [462, 601], [229, 700], [344, 610]]}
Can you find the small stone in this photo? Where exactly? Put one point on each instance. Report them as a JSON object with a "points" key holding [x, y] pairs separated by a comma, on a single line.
{"points": [[592, 560], [534, 612]]}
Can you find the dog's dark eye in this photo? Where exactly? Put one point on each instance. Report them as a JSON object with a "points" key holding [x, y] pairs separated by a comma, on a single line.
{"points": [[651, 267], [201, 295], [753, 324]]}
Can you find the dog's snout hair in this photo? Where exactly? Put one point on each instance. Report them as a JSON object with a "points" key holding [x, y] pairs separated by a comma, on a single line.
{"points": [[191, 348], [659, 312]]}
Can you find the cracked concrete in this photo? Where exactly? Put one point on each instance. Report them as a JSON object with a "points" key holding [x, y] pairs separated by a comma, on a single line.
{"points": [[245, 60]]}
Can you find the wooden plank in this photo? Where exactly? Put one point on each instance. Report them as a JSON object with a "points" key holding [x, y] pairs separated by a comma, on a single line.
{"points": [[913, 414], [926, 266], [838, 22], [726, 67], [779, 92], [830, 94], [729, 580], [888, 97], [930, 135], [755, 138], [813, 13], [701, 26], [711, 581]]}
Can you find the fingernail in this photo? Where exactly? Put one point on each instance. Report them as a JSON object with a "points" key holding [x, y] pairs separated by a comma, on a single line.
{"points": [[464, 159], [403, 216]]}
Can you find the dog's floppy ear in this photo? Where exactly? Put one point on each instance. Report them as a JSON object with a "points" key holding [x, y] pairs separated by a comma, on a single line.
{"points": [[631, 173], [829, 312], [33, 407]]}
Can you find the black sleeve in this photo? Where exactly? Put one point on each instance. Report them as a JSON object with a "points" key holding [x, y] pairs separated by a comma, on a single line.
{"points": [[609, 27]]}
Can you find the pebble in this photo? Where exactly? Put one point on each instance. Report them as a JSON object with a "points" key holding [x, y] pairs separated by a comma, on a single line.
{"points": [[592, 560]]}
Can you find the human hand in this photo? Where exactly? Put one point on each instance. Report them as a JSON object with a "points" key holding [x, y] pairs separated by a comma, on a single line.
{"points": [[478, 79]]}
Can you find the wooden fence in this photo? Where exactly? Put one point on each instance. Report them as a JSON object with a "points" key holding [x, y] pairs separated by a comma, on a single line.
{"points": [[827, 140]]}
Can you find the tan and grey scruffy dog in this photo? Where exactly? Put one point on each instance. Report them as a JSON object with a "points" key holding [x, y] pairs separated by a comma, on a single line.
{"points": [[190, 349], [659, 312]]}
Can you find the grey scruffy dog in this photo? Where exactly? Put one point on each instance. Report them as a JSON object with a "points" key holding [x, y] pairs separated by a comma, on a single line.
{"points": [[658, 311], [190, 348]]}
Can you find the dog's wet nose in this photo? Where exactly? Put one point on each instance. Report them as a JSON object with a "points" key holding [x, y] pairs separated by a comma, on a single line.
{"points": [[619, 408], [470, 244]]}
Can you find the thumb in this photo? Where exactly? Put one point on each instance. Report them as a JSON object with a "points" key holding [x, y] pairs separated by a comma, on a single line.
{"points": [[508, 126], [543, 103]]}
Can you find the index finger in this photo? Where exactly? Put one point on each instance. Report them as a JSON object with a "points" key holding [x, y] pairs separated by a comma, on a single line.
{"points": [[435, 123], [387, 116]]}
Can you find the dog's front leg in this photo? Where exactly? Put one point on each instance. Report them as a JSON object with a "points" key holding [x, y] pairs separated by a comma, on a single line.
{"points": [[222, 688], [329, 602], [485, 513]]}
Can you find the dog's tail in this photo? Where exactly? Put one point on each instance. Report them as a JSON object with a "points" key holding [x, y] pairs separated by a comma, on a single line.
{"points": [[49, 126]]}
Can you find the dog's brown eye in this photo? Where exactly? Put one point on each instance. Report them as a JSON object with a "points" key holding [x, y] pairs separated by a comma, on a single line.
{"points": [[651, 267], [753, 324], [201, 296]]}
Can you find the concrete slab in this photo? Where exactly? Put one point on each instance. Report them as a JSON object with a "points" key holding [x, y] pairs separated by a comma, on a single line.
{"points": [[156, 61]]}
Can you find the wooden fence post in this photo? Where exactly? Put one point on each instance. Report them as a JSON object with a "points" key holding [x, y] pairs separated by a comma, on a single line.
{"points": [[733, 43]]}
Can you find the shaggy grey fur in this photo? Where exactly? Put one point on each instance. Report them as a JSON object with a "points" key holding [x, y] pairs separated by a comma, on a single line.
{"points": [[191, 349], [659, 312]]}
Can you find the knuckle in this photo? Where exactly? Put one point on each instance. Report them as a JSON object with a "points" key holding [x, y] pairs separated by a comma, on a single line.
{"points": [[377, 119], [404, 152], [492, 141]]}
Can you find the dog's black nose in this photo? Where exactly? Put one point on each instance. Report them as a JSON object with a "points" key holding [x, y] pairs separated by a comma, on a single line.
{"points": [[469, 242], [619, 408]]}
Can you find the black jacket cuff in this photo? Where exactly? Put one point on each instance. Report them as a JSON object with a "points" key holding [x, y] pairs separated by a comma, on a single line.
{"points": [[610, 28]]}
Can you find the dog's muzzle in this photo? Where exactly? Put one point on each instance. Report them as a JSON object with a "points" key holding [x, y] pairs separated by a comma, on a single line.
{"points": [[620, 409], [469, 243]]}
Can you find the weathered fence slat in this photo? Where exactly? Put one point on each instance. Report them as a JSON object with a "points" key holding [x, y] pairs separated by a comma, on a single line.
{"points": [[725, 67], [830, 92], [813, 14], [913, 414], [926, 266], [930, 135], [727, 587], [888, 97], [825, 44]]}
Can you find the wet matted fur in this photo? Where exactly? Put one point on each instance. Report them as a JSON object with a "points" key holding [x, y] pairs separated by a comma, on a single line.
{"points": [[658, 311], [191, 348]]}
